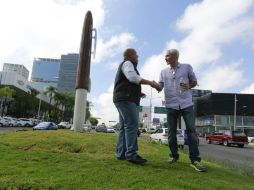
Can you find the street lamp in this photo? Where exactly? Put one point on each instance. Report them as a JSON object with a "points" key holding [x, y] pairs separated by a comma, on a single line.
{"points": [[235, 100], [39, 108], [151, 97], [243, 107]]}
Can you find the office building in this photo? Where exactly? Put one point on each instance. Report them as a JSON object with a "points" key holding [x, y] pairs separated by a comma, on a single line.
{"points": [[68, 72], [19, 69], [45, 72], [225, 111]]}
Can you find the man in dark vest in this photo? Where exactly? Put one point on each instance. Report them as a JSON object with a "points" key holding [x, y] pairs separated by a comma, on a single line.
{"points": [[126, 97]]}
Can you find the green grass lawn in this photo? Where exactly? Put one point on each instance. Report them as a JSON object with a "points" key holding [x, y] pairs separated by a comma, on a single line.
{"points": [[64, 159]]}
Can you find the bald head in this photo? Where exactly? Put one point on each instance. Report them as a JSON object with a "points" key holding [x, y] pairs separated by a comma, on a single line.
{"points": [[130, 54]]}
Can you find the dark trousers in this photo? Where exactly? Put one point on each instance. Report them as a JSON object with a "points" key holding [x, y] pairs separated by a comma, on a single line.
{"points": [[188, 117]]}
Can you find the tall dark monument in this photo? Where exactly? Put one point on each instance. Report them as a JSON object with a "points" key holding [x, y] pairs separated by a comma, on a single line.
{"points": [[83, 73]]}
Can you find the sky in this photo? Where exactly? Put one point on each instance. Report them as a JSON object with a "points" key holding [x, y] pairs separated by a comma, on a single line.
{"points": [[215, 36]]}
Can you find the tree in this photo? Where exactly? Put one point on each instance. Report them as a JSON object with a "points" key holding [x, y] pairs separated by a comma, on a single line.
{"points": [[6, 95], [50, 91], [88, 113], [93, 121]]}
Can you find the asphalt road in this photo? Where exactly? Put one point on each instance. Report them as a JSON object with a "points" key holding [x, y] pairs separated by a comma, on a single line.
{"points": [[231, 156], [9, 129]]}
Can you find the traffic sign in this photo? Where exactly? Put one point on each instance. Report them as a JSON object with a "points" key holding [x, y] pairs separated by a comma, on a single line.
{"points": [[161, 110], [140, 108]]}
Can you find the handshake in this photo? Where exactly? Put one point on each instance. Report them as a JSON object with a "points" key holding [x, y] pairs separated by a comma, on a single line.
{"points": [[156, 85]]}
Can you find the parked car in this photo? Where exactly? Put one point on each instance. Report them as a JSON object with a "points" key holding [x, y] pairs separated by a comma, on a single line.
{"points": [[23, 122], [160, 135], [64, 125], [110, 130], [4, 122], [251, 139], [101, 128], [180, 135], [45, 126], [151, 130], [87, 127], [228, 138], [186, 140]]}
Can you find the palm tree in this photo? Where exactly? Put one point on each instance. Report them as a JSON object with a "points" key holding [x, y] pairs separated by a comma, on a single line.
{"points": [[6, 95], [50, 91], [88, 113]]}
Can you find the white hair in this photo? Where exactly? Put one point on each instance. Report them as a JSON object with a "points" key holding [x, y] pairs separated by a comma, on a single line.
{"points": [[174, 52]]}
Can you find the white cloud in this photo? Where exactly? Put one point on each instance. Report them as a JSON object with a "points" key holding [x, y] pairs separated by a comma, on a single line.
{"points": [[208, 26], [248, 90], [104, 107], [113, 47], [43, 28], [211, 24], [151, 71], [223, 77]]}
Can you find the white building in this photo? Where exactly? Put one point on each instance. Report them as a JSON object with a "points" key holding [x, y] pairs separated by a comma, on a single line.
{"points": [[19, 69], [145, 115], [12, 78]]}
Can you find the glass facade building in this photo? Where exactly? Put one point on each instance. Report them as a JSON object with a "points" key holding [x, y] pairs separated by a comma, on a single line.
{"points": [[45, 70], [68, 72]]}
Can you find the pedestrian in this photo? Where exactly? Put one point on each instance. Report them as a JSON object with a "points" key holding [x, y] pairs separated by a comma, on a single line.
{"points": [[126, 97], [177, 81]]}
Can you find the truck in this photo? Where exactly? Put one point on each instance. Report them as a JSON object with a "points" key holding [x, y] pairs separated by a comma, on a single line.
{"points": [[228, 138]]}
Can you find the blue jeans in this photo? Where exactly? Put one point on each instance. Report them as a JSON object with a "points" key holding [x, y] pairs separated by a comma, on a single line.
{"points": [[188, 117], [127, 137]]}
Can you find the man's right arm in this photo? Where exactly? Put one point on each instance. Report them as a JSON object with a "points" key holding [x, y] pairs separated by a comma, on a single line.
{"points": [[133, 77]]}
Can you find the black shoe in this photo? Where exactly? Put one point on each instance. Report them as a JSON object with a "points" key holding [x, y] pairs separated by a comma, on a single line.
{"points": [[121, 158], [172, 160], [197, 166], [137, 160]]}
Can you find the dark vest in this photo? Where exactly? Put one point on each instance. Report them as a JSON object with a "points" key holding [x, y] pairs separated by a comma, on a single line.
{"points": [[124, 90]]}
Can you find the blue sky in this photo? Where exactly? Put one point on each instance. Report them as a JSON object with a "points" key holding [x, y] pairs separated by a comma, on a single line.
{"points": [[215, 36]]}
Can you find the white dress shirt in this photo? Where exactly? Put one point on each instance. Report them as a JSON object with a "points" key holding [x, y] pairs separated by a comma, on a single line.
{"points": [[130, 73]]}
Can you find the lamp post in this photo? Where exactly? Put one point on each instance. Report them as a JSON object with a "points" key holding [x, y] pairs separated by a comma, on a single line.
{"points": [[235, 100], [151, 97], [243, 107], [39, 108]]}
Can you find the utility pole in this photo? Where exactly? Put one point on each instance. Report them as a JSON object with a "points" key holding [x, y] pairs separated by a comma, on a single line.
{"points": [[39, 109], [235, 100], [150, 118]]}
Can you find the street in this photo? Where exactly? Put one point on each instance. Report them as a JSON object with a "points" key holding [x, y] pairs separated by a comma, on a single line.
{"points": [[8, 129], [233, 155]]}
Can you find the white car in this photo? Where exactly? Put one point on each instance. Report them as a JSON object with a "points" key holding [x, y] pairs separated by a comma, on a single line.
{"points": [[251, 139], [110, 130], [180, 137], [87, 128], [64, 125], [160, 135], [23, 122]]}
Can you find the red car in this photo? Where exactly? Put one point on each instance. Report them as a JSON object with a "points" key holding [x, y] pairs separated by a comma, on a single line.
{"points": [[228, 138]]}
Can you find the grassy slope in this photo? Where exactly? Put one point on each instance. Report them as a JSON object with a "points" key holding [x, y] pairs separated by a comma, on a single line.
{"points": [[67, 160]]}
